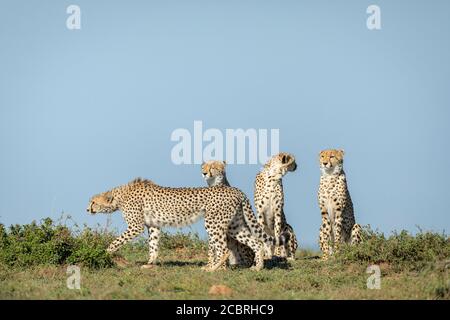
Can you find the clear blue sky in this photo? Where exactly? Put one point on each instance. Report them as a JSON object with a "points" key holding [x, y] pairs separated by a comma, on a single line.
{"points": [[83, 111]]}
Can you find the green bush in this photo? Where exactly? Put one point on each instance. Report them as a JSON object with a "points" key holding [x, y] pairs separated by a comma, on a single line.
{"points": [[33, 244], [49, 243], [402, 250], [182, 240], [89, 249]]}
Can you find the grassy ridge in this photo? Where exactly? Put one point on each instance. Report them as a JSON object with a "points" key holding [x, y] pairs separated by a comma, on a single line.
{"points": [[34, 258]]}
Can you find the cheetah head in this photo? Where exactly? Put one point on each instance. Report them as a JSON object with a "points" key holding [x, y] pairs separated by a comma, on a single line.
{"points": [[331, 161], [103, 202], [213, 172], [280, 164]]}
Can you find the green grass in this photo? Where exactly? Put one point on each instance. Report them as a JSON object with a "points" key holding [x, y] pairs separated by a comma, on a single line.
{"points": [[412, 267]]}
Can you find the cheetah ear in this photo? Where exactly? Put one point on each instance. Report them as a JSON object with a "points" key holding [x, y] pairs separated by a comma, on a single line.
{"points": [[321, 154], [224, 162], [109, 197], [285, 159], [342, 152]]}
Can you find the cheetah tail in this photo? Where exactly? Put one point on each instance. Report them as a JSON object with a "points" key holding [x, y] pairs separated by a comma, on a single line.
{"points": [[253, 224]]}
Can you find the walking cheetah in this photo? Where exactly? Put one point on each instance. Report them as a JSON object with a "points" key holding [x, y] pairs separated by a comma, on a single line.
{"points": [[214, 174], [227, 211], [336, 207], [269, 202]]}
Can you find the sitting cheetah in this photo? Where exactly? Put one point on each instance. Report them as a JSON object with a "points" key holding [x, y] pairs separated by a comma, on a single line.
{"points": [[214, 174], [336, 207], [227, 212], [269, 202]]}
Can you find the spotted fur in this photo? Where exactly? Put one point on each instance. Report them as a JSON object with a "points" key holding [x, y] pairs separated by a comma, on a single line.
{"points": [[269, 202], [336, 207], [227, 212], [215, 175]]}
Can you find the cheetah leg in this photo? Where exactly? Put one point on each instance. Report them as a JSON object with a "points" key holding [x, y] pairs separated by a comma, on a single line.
{"points": [[125, 237], [220, 254], [277, 228], [278, 252], [324, 238], [211, 255], [269, 250], [240, 254], [211, 244], [243, 254], [260, 219], [292, 244], [220, 264], [337, 228], [356, 236], [324, 243], [281, 250], [244, 236], [236, 257], [153, 244], [247, 255]]}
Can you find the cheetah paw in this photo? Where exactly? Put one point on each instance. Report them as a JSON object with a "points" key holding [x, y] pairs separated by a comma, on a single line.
{"points": [[206, 268], [256, 268]]}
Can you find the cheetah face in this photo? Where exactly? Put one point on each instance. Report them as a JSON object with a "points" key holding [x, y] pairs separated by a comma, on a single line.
{"points": [[282, 163], [213, 172], [331, 161], [103, 202]]}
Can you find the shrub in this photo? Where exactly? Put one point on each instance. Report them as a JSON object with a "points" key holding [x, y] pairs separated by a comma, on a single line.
{"points": [[89, 249], [47, 243], [402, 249], [33, 244], [182, 240]]}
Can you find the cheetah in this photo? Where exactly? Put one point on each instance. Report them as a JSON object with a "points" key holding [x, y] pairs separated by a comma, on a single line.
{"points": [[214, 174], [269, 202], [227, 212], [336, 207]]}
